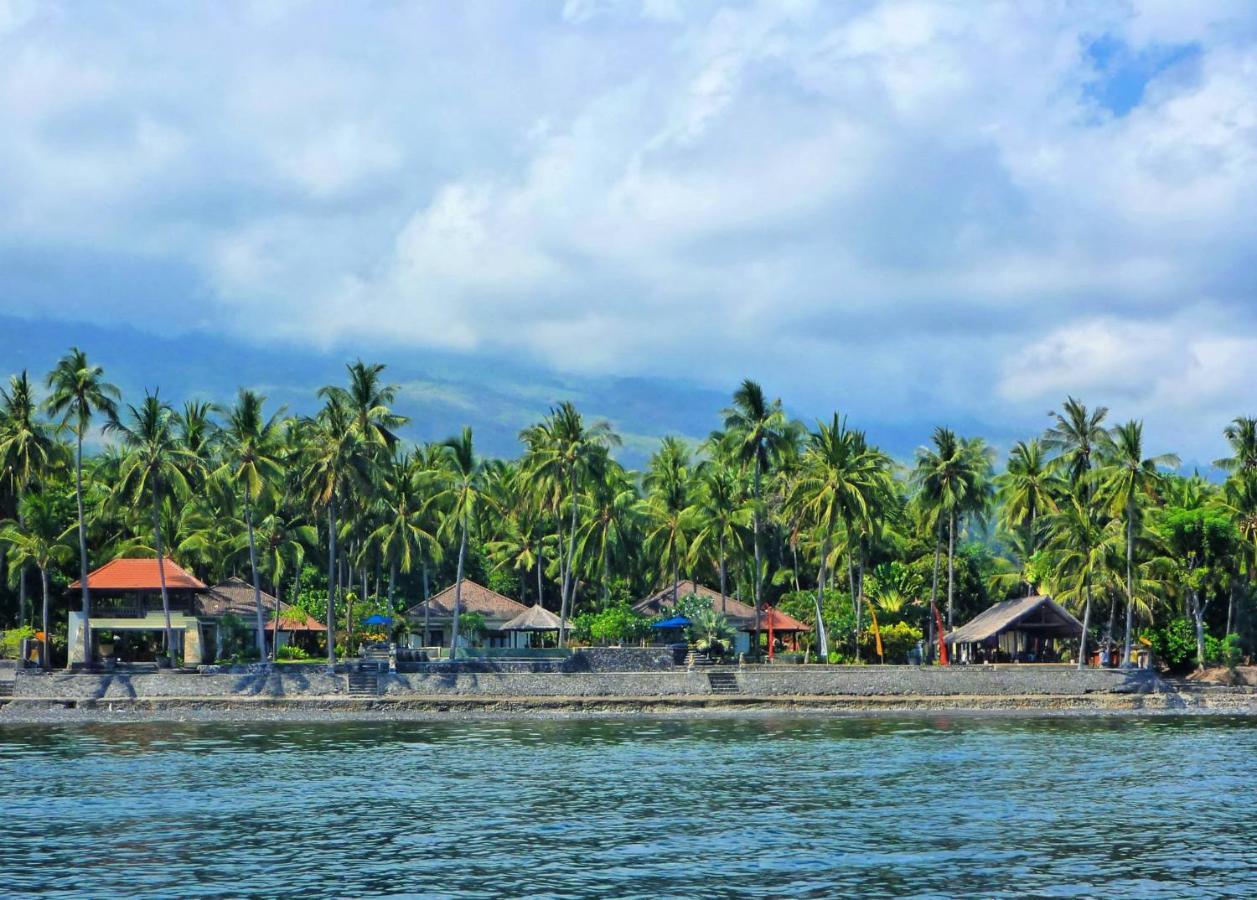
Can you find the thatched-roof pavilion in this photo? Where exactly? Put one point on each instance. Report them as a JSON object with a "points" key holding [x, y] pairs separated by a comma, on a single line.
{"points": [[1027, 629]]}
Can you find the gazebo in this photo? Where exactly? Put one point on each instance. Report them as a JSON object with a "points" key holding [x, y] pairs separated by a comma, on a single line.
{"points": [[535, 619], [774, 622], [1023, 630]]}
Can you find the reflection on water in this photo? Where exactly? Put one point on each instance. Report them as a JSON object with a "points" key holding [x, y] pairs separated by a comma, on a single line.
{"points": [[634, 808]]}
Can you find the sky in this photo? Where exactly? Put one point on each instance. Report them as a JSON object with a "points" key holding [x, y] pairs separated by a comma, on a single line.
{"points": [[919, 213]]}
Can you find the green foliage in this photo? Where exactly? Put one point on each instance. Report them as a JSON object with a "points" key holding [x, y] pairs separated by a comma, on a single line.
{"points": [[615, 625], [11, 641], [691, 606], [471, 626], [291, 652], [236, 637], [1174, 643], [711, 632], [898, 639]]}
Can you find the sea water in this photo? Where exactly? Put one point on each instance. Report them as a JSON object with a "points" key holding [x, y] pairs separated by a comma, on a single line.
{"points": [[929, 805]]}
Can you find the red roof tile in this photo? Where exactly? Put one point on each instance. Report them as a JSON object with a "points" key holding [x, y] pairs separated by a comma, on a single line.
{"points": [[140, 575]]}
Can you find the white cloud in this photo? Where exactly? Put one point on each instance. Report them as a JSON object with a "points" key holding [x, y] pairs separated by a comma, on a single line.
{"points": [[887, 206]]}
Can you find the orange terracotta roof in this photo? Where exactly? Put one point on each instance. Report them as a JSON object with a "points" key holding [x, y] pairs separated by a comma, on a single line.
{"points": [[293, 620], [140, 575], [779, 621]]}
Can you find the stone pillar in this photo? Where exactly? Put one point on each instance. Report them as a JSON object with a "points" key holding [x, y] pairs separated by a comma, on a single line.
{"points": [[74, 635], [192, 644]]}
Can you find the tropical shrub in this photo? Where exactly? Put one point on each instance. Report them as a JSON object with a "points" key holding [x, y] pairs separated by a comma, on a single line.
{"points": [[898, 639], [618, 624], [471, 627], [292, 651], [11, 641], [711, 632]]}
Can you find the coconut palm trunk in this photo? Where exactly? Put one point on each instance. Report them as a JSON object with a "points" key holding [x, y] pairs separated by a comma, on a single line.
{"points": [[929, 615], [43, 577], [458, 593], [21, 576], [427, 610], [85, 593], [161, 571], [569, 583], [821, 637], [257, 586], [1086, 623], [755, 523], [951, 567], [855, 603], [1130, 581], [331, 582], [724, 575]]}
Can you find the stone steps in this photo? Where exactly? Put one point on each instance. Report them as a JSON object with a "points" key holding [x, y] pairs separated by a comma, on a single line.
{"points": [[723, 683], [363, 684]]}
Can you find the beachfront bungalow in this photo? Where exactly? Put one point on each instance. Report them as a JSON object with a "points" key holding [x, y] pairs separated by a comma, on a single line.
{"points": [[530, 625], [1028, 629], [497, 609], [127, 612], [740, 615], [235, 597]]}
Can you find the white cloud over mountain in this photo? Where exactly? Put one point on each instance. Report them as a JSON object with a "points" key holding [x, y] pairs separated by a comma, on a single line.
{"points": [[918, 211]]}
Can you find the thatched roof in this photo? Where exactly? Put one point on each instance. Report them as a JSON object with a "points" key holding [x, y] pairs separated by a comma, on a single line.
{"points": [[231, 596], [476, 598], [1039, 615], [534, 618], [658, 603]]}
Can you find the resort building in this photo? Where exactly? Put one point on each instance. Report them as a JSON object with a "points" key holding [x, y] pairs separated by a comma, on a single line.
{"points": [[1028, 629], [497, 610], [127, 618], [740, 615], [234, 597]]}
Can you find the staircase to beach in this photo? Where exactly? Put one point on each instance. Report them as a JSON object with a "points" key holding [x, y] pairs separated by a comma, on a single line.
{"points": [[696, 659], [364, 684], [723, 683]]}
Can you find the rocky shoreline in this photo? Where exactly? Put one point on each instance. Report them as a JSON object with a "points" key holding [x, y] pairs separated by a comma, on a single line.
{"points": [[31, 711]]}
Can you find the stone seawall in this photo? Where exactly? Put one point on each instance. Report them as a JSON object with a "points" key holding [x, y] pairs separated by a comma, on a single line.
{"points": [[765, 681]]}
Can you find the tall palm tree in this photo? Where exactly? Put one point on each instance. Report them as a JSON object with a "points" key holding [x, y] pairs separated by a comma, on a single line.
{"points": [[837, 487], [1128, 481], [38, 540], [666, 509], [1241, 434], [333, 464], [565, 451], [155, 467], [757, 433], [27, 451], [953, 479], [251, 460], [79, 393], [609, 522], [1078, 436], [465, 497], [1081, 540], [722, 519], [403, 529], [1027, 490]]}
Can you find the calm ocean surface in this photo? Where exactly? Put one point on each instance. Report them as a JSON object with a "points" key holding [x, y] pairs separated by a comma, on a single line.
{"points": [[924, 806]]}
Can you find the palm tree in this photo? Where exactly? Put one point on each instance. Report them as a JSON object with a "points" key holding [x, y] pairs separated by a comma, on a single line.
{"points": [[1078, 435], [39, 541], [368, 403], [608, 524], [333, 464], [666, 509], [1080, 543], [403, 530], [1241, 434], [1128, 480], [952, 477], [78, 394], [464, 495], [756, 432], [252, 445], [722, 519], [27, 450], [564, 451], [837, 488], [1026, 491], [153, 468]]}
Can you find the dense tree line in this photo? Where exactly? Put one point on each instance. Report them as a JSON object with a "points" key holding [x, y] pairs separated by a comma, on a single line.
{"points": [[817, 520]]}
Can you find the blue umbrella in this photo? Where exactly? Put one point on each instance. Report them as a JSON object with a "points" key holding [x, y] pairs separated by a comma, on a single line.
{"points": [[674, 622], [378, 619]]}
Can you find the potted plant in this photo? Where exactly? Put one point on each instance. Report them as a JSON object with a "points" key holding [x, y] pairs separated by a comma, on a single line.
{"points": [[105, 643]]}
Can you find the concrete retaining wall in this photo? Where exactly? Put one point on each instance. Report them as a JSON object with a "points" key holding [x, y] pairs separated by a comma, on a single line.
{"points": [[859, 681]]}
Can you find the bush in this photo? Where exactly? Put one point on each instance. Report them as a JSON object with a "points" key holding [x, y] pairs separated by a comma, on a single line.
{"points": [[292, 651], [11, 641], [1175, 644], [898, 639], [616, 624]]}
